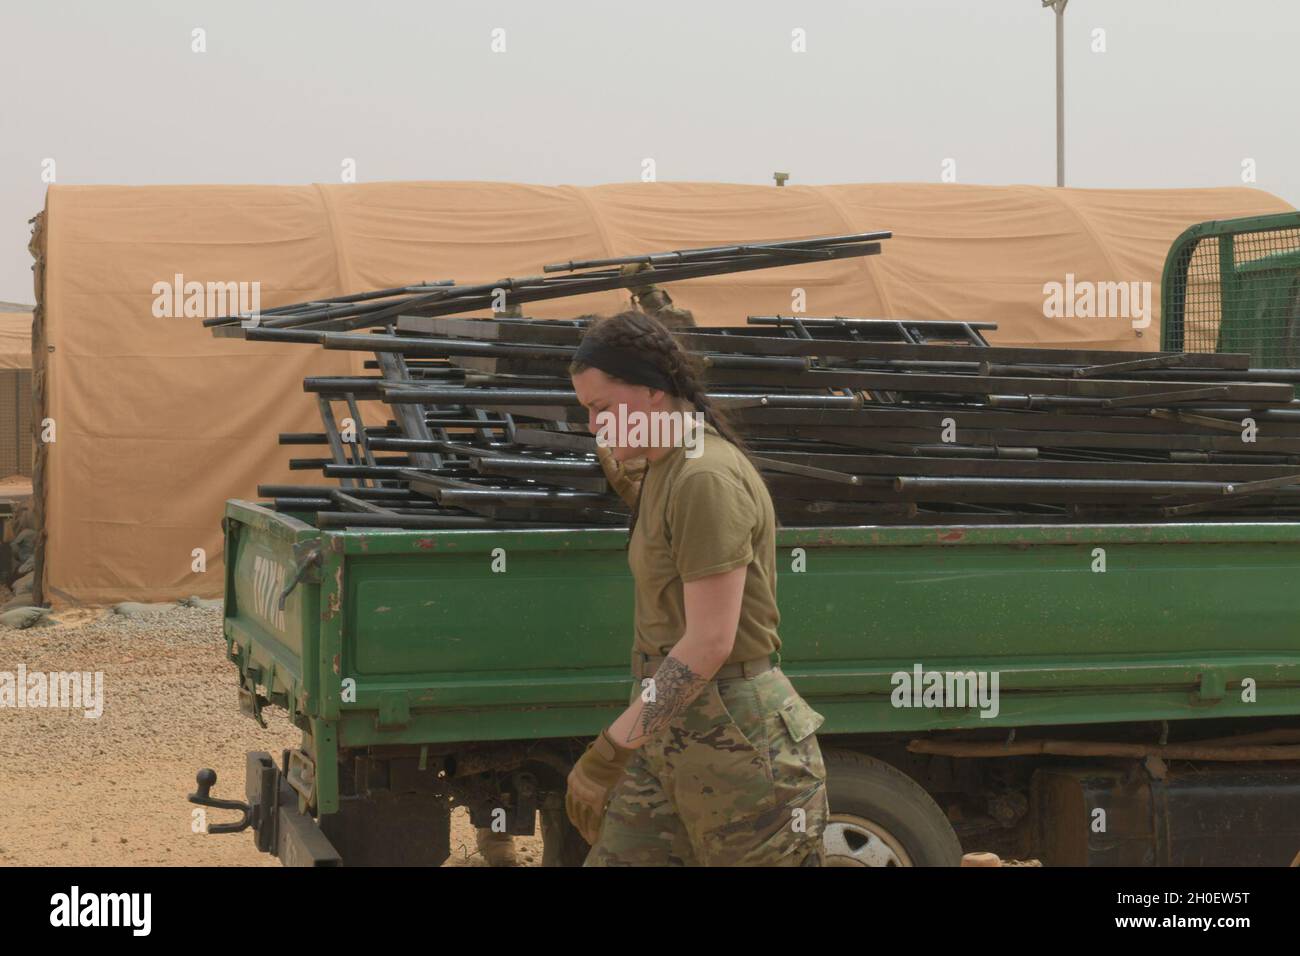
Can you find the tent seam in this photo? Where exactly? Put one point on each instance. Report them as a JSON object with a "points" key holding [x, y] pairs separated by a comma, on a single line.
{"points": [[590, 206], [38, 246], [873, 274], [341, 268], [1058, 196], [595, 217]]}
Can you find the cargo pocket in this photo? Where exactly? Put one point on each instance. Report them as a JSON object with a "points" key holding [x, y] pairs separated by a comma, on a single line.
{"points": [[719, 762], [791, 825], [799, 718], [796, 757]]}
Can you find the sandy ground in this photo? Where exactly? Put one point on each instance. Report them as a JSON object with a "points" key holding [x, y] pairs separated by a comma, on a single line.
{"points": [[111, 791], [13, 487]]}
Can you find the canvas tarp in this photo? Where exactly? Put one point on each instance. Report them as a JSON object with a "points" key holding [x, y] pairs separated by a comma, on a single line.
{"points": [[157, 422], [15, 340]]}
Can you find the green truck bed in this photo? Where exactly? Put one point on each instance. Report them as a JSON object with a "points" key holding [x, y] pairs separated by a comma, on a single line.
{"points": [[444, 648]]}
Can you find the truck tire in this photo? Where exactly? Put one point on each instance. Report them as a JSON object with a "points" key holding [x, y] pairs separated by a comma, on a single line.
{"points": [[882, 817], [562, 844]]}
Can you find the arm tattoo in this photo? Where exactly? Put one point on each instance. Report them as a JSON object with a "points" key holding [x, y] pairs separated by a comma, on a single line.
{"points": [[675, 686]]}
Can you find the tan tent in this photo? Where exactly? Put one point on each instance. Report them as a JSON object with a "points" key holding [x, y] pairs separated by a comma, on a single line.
{"points": [[15, 338], [157, 423], [15, 399]]}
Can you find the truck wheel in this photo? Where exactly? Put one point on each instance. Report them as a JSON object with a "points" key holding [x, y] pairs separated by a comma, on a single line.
{"points": [[562, 844], [882, 817]]}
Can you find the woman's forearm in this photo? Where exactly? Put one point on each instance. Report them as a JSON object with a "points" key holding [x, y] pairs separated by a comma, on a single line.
{"points": [[712, 614], [624, 479], [677, 682]]}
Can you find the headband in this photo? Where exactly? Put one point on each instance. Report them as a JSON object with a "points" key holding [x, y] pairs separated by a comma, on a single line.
{"points": [[623, 363]]}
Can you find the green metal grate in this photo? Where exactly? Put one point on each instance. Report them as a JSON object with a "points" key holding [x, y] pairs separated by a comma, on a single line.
{"points": [[1233, 285]]}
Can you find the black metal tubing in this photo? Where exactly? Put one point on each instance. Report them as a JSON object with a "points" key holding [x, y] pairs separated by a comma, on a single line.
{"points": [[687, 255], [451, 300], [849, 420]]}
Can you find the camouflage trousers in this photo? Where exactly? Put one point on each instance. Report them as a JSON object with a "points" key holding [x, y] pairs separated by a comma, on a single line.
{"points": [[737, 779]]}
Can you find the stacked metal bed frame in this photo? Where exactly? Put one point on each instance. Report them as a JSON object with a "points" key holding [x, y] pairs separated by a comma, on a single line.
{"points": [[851, 421]]}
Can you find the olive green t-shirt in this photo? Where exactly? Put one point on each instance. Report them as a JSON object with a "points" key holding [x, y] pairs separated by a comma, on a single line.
{"points": [[702, 516]]}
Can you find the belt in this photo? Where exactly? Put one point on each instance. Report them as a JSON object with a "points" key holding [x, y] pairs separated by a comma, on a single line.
{"points": [[643, 666]]}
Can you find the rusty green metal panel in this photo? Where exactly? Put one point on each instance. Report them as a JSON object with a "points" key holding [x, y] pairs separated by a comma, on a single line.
{"points": [[383, 542], [268, 643], [444, 648]]}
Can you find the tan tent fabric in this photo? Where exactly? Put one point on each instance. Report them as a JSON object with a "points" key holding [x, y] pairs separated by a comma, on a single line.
{"points": [[157, 423], [15, 340]]}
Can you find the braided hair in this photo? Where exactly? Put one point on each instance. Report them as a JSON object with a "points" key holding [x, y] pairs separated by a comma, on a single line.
{"points": [[650, 337]]}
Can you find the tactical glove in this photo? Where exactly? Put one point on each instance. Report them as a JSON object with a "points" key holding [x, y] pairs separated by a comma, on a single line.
{"points": [[590, 782], [624, 477]]}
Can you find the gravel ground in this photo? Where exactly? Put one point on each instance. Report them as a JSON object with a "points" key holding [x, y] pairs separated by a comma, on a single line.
{"points": [[111, 791]]}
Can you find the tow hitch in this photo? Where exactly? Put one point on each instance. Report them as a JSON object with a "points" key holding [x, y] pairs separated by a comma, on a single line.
{"points": [[279, 827], [207, 779]]}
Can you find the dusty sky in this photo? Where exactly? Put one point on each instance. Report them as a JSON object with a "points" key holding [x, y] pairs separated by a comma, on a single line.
{"points": [[886, 90]]}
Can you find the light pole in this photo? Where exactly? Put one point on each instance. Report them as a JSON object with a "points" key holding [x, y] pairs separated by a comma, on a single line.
{"points": [[1058, 7]]}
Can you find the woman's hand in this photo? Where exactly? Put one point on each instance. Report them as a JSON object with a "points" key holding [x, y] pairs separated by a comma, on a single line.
{"points": [[590, 782], [624, 477], [712, 615]]}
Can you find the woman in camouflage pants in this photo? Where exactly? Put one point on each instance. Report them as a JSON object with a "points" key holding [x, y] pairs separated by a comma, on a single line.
{"points": [[715, 761]]}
